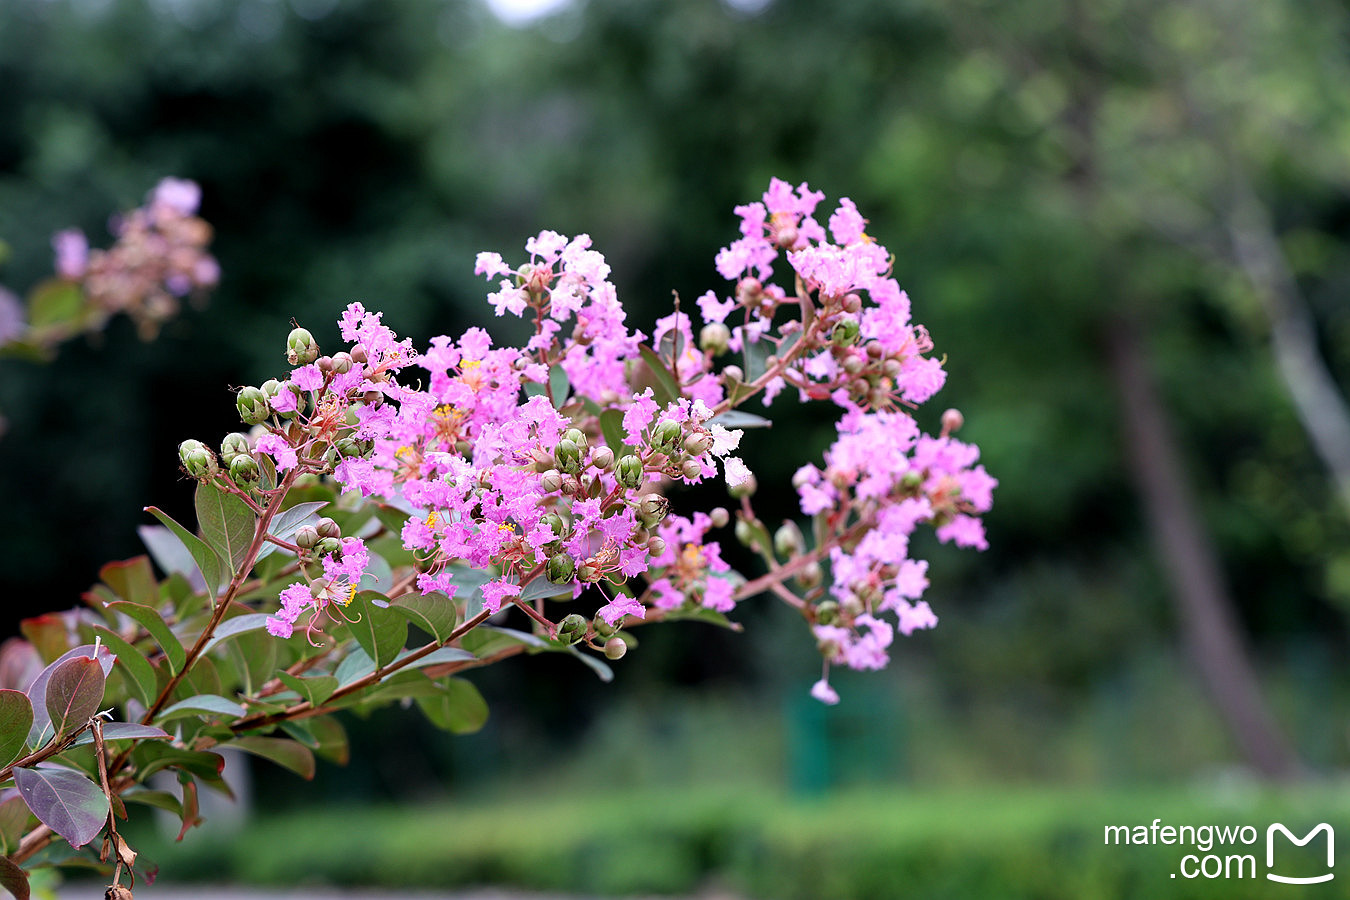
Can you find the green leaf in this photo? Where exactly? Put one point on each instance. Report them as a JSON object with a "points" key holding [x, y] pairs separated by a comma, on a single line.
{"points": [[594, 663], [208, 562], [379, 631], [611, 426], [667, 389], [236, 626], [542, 587], [202, 704], [355, 666], [66, 802], [152, 756], [315, 689], [132, 579], [73, 693], [434, 613], [16, 719], [436, 658], [13, 878], [55, 302], [140, 674], [150, 619], [14, 816], [167, 551], [289, 521], [158, 799], [125, 731], [459, 708], [255, 655], [735, 418], [332, 738], [286, 753], [558, 386], [227, 523]]}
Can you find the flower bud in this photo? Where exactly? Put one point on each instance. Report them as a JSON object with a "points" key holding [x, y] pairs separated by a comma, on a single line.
{"points": [[551, 481], [845, 332], [656, 545], [301, 349], [576, 436], [560, 569], [698, 443], [746, 487], [719, 516], [327, 546], [750, 291], [244, 468], [568, 456], [233, 445], [572, 629], [603, 629], [691, 469], [788, 540], [911, 482], [252, 403], [652, 509], [325, 364], [666, 437], [853, 365], [342, 362], [714, 338], [306, 537], [745, 534], [615, 648], [811, 576], [630, 472], [827, 612], [733, 374], [602, 458], [360, 354], [952, 420], [198, 459], [589, 571], [852, 302], [891, 368], [555, 523], [327, 528]]}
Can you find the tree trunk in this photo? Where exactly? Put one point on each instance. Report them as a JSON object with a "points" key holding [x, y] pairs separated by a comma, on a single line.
{"points": [[1211, 633]]}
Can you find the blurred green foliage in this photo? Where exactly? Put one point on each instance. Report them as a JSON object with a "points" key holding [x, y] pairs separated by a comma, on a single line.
{"points": [[1037, 168]]}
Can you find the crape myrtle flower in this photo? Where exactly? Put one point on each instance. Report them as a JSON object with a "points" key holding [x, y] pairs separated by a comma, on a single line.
{"points": [[510, 468]]}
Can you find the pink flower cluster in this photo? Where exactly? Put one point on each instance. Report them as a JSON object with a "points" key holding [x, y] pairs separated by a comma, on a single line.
{"points": [[553, 460], [159, 257]]}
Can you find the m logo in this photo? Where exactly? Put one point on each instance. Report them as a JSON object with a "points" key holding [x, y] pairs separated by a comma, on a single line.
{"points": [[1270, 852]]}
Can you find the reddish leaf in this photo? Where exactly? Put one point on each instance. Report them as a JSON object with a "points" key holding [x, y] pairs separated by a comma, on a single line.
{"points": [[132, 579], [48, 634], [74, 691], [38, 689], [16, 719], [66, 802], [13, 878]]}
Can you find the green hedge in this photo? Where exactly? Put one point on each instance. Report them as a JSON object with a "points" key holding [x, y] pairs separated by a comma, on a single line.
{"points": [[1001, 843]]}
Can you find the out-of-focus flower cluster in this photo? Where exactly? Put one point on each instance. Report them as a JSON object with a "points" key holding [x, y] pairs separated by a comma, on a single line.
{"points": [[555, 462], [159, 258]]}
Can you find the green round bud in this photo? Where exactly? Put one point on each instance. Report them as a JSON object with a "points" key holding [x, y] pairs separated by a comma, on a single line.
{"points": [[845, 332], [715, 338], [630, 472], [233, 445], [556, 523], [589, 572], [827, 612], [198, 459], [301, 349], [572, 629], [615, 648], [691, 469], [576, 436], [745, 533], [244, 468], [271, 387], [911, 481], [327, 545], [568, 456], [788, 540], [602, 628], [348, 446], [560, 569], [253, 407], [306, 537], [719, 516], [327, 528], [666, 437]]}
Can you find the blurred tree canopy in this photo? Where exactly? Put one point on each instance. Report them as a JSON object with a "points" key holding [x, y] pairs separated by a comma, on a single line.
{"points": [[1041, 170]]}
